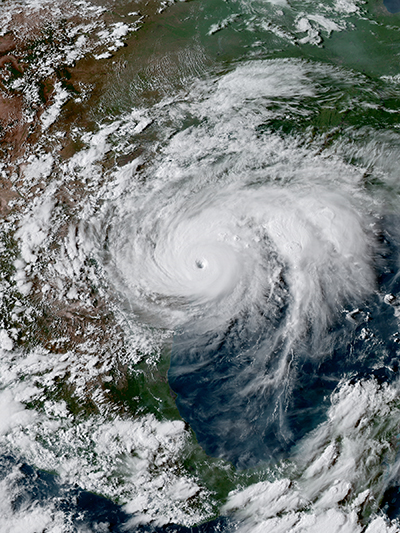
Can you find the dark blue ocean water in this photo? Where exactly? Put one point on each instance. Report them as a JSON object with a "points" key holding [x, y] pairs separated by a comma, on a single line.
{"points": [[221, 378], [214, 376], [82, 510], [393, 6]]}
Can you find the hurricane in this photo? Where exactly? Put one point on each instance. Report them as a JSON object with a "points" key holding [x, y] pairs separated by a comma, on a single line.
{"points": [[199, 267], [211, 255], [249, 247]]}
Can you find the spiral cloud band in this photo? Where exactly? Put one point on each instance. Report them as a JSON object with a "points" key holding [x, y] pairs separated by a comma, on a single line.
{"points": [[212, 255], [248, 245]]}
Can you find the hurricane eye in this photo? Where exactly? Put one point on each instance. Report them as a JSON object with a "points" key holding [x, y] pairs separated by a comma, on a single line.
{"points": [[200, 263]]}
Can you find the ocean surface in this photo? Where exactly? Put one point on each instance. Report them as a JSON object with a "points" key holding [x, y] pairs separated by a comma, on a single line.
{"points": [[200, 266]]}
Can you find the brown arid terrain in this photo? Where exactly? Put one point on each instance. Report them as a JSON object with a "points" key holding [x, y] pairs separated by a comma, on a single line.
{"points": [[14, 130], [50, 82], [56, 65]]}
